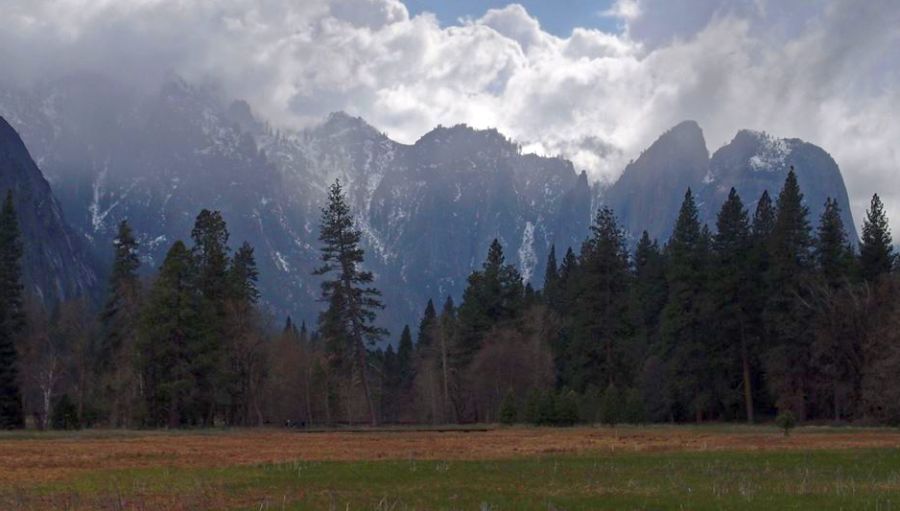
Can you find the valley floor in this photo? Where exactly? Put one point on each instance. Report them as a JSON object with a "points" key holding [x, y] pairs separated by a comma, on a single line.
{"points": [[653, 467]]}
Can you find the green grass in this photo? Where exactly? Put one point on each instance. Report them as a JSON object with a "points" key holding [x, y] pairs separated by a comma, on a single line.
{"points": [[817, 480]]}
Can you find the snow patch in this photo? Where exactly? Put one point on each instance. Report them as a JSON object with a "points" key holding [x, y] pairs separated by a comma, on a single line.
{"points": [[772, 155], [281, 262], [527, 257]]}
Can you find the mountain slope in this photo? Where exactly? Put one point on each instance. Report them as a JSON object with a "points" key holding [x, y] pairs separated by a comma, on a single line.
{"points": [[55, 264]]}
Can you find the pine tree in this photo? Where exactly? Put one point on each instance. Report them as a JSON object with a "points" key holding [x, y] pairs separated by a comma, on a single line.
{"points": [[787, 318], [242, 276], [492, 297], [170, 332], [352, 301], [648, 293], [119, 322], [684, 324], [425, 335], [731, 292], [596, 352], [876, 249], [833, 254], [551, 280], [211, 261], [405, 368], [210, 236], [12, 317]]}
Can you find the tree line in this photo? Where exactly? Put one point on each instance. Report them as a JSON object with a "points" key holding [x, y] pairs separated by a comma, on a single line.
{"points": [[759, 315]]}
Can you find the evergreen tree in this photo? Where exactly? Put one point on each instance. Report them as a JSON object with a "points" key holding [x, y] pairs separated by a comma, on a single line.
{"points": [[209, 356], [119, 322], [405, 368], [786, 315], [596, 354], [684, 324], [731, 292], [12, 316], [425, 335], [210, 236], [551, 280], [833, 255], [876, 249], [648, 294], [493, 296], [243, 276], [171, 331], [352, 301]]}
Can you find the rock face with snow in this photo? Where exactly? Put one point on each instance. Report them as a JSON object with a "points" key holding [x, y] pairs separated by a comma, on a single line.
{"points": [[650, 191], [754, 162], [428, 211], [55, 264]]}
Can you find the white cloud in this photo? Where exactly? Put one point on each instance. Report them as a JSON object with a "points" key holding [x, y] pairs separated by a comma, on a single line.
{"points": [[823, 73]]}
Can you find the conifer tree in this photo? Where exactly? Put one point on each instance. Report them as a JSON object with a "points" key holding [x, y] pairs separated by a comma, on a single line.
{"points": [[405, 368], [684, 323], [243, 276], [171, 330], [786, 315], [352, 301], [493, 296], [833, 255], [426, 327], [731, 291], [648, 292], [211, 262], [596, 352], [12, 316], [119, 322], [876, 249], [551, 280]]}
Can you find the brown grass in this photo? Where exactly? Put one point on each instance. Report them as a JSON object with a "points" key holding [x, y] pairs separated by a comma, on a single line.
{"points": [[36, 460]]}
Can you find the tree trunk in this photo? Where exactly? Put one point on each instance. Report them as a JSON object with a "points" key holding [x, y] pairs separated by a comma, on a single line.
{"points": [[446, 385], [748, 385], [361, 361]]}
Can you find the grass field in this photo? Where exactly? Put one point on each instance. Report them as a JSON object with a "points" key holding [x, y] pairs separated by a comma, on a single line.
{"points": [[665, 467]]}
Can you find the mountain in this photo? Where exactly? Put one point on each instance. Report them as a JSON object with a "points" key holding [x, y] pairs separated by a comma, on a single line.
{"points": [[754, 162], [650, 190], [428, 210], [55, 264]]}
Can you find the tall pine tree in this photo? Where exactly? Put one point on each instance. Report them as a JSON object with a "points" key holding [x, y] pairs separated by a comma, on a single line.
{"points": [[684, 326], [119, 322], [597, 353], [786, 315], [731, 291], [349, 321]]}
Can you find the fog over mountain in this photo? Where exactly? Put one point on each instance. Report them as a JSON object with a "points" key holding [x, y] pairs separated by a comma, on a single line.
{"points": [[428, 211], [597, 93]]}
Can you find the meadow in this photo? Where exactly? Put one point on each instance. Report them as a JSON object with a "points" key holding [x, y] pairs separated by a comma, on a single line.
{"points": [[630, 468]]}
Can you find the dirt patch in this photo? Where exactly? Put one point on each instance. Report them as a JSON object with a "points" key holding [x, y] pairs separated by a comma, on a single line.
{"points": [[30, 461]]}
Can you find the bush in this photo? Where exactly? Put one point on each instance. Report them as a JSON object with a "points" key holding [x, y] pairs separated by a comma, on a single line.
{"points": [[509, 414], [786, 421]]}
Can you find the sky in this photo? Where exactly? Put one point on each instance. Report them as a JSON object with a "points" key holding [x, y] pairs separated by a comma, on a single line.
{"points": [[595, 82]]}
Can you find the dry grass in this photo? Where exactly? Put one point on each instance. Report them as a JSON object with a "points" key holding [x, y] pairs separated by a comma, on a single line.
{"points": [[34, 460]]}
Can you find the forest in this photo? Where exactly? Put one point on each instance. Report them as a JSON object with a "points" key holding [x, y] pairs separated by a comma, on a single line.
{"points": [[755, 317]]}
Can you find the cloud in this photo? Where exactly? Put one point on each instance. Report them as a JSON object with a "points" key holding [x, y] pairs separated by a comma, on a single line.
{"points": [[822, 72]]}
